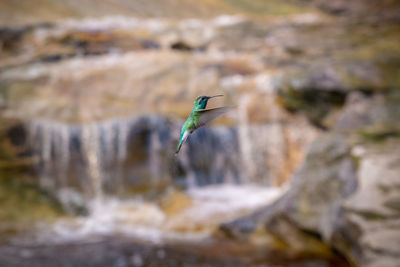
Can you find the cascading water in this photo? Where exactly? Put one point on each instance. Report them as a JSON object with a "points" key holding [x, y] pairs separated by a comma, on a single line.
{"points": [[105, 157], [103, 167], [80, 160]]}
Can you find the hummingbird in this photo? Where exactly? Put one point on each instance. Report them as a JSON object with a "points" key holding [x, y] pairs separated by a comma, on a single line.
{"points": [[199, 117]]}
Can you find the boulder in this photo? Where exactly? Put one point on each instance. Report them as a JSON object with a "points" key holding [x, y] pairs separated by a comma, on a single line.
{"points": [[345, 195], [374, 207]]}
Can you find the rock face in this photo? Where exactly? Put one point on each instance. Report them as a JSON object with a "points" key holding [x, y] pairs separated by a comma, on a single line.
{"points": [[374, 208], [23, 201], [346, 193]]}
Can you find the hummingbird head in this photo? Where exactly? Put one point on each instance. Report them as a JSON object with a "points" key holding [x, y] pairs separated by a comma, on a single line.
{"points": [[201, 101]]}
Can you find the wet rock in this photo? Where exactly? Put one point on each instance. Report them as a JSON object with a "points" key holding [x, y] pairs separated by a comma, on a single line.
{"points": [[371, 114], [102, 42], [150, 44], [342, 76], [321, 93], [9, 37], [17, 135], [374, 206], [318, 105], [182, 46], [121, 251], [13, 151], [24, 203], [345, 194], [356, 8]]}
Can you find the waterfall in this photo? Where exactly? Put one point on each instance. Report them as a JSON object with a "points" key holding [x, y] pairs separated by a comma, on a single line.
{"points": [[245, 139], [95, 160], [79, 158], [91, 148], [130, 157], [113, 171], [270, 148]]}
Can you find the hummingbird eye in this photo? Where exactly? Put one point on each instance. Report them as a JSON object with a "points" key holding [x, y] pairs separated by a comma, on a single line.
{"points": [[199, 99]]}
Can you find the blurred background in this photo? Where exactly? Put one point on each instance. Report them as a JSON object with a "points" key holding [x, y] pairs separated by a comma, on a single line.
{"points": [[305, 171]]}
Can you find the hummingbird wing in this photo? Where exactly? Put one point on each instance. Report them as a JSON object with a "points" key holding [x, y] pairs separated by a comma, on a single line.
{"points": [[207, 115]]}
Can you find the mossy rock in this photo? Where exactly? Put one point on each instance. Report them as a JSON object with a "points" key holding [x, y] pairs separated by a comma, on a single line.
{"points": [[316, 104], [13, 150], [23, 204]]}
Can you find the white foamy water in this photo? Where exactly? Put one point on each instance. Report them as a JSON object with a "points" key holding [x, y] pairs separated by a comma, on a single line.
{"points": [[207, 208]]}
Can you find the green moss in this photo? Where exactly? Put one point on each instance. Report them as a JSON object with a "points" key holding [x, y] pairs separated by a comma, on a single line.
{"points": [[378, 136], [11, 139], [370, 216], [18, 91], [23, 203], [315, 104], [353, 56], [393, 204], [272, 7], [377, 46]]}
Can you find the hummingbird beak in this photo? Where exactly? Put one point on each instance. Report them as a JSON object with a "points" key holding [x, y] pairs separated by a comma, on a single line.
{"points": [[215, 96]]}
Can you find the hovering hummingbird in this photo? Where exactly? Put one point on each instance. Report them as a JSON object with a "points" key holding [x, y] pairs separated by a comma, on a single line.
{"points": [[199, 117]]}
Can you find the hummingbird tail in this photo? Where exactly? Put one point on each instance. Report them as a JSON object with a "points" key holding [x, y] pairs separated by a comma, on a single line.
{"points": [[178, 149], [181, 141]]}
